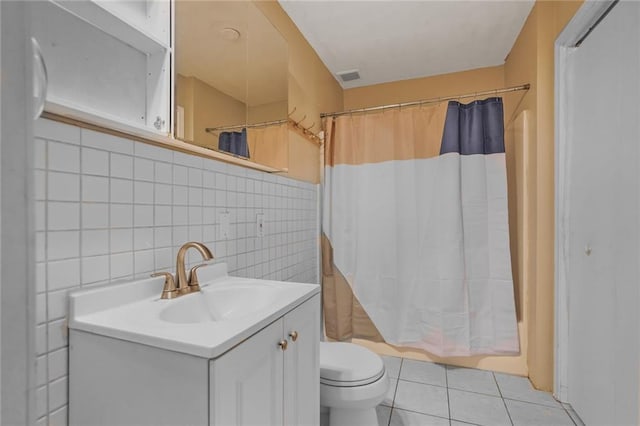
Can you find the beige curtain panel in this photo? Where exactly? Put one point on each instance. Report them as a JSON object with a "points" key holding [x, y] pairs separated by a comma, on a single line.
{"points": [[396, 134]]}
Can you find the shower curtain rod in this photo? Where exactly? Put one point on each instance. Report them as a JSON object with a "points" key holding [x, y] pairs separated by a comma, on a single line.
{"points": [[246, 126], [427, 101]]}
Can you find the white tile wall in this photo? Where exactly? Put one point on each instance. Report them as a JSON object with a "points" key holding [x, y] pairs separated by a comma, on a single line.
{"points": [[111, 209]]}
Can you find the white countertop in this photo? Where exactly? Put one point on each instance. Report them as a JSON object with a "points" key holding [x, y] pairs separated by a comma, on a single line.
{"points": [[131, 311]]}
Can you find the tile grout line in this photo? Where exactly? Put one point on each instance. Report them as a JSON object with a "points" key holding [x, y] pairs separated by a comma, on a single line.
{"points": [[446, 382], [461, 390], [502, 397], [393, 401], [555, 407], [429, 415], [46, 272], [81, 232], [109, 221]]}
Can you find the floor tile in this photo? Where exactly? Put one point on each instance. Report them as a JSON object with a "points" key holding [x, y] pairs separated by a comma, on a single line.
{"points": [[392, 365], [476, 408], [409, 418], [423, 372], [457, 423], [422, 398], [526, 414], [384, 413], [391, 393], [520, 389], [472, 380]]}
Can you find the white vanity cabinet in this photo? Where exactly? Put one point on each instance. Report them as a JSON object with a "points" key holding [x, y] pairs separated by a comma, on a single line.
{"points": [[271, 379], [119, 375]]}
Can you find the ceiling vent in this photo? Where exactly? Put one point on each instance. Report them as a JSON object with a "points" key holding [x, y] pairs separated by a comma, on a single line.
{"points": [[346, 76]]}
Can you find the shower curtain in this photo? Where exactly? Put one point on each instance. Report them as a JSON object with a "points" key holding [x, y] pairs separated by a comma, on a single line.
{"points": [[415, 229]]}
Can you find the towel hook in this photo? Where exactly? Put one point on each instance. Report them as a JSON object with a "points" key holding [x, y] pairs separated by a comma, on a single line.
{"points": [[294, 110], [307, 129]]}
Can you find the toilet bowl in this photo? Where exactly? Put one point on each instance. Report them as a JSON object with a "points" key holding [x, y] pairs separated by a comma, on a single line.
{"points": [[353, 381]]}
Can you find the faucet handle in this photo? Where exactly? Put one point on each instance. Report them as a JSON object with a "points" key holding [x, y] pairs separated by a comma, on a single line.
{"points": [[169, 291], [194, 284]]}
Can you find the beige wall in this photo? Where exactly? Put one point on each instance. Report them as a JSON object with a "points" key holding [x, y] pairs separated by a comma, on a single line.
{"points": [[267, 112], [532, 60], [306, 154], [205, 106], [425, 88], [312, 90]]}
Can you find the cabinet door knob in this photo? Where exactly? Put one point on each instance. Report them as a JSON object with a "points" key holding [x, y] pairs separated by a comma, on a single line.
{"points": [[294, 335], [283, 344]]}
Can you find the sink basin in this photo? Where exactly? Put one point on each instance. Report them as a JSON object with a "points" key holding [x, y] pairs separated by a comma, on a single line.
{"points": [[219, 303]]}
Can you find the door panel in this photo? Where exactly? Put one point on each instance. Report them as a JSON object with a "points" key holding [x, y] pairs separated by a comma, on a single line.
{"points": [[603, 193]]}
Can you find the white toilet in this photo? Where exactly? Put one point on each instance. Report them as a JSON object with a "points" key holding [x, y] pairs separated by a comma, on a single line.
{"points": [[353, 381]]}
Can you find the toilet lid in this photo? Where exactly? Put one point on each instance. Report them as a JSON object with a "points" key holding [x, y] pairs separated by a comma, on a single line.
{"points": [[347, 364]]}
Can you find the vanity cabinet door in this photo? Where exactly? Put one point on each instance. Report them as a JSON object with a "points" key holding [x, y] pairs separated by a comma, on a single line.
{"points": [[301, 365], [246, 382]]}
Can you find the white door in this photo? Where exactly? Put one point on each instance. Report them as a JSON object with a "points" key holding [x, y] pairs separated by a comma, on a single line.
{"points": [[603, 249], [246, 382], [302, 366]]}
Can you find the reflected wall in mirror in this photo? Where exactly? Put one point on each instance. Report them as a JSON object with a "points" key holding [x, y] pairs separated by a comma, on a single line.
{"points": [[231, 80]]}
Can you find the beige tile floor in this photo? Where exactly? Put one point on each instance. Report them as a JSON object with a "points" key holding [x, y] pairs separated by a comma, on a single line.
{"points": [[426, 394]]}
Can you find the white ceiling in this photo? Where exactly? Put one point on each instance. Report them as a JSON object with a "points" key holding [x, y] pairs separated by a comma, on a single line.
{"points": [[397, 40]]}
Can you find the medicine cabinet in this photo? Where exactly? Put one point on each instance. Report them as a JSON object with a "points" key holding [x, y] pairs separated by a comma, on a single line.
{"points": [[106, 58]]}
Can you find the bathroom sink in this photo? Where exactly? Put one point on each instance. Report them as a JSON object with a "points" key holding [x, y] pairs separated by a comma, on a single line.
{"points": [[206, 324], [220, 302]]}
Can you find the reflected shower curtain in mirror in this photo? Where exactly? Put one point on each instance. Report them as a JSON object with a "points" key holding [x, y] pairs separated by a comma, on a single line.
{"points": [[269, 145], [415, 229], [234, 143]]}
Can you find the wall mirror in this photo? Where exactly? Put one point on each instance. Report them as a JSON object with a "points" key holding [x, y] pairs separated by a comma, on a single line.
{"points": [[231, 80]]}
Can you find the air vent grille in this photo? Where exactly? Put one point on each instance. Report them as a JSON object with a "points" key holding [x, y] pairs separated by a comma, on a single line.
{"points": [[346, 76]]}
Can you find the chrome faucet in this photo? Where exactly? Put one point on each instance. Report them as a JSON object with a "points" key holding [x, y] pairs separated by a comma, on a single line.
{"points": [[184, 285]]}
